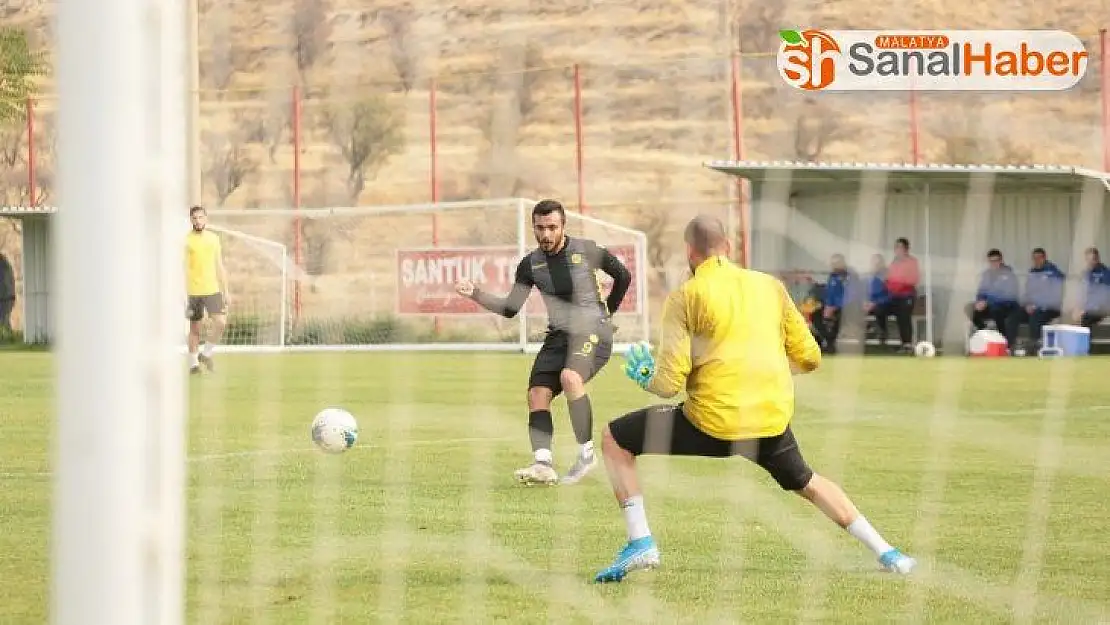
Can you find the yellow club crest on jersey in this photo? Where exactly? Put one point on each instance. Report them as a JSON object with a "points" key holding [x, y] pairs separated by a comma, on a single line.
{"points": [[576, 258], [593, 338]]}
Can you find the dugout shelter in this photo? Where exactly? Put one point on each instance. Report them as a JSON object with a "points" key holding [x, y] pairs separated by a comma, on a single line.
{"points": [[800, 213], [37, 262]]}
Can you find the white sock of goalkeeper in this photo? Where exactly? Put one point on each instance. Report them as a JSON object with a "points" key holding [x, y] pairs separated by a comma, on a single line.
{"points": [[862, 531], [635, 517], [194, 359]]}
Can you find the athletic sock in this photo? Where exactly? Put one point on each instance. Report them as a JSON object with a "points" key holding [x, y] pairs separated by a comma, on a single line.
{"points": [[194, 359], [209, 349], [581, 418], [862, 531], [541, 430], [635, 517]]}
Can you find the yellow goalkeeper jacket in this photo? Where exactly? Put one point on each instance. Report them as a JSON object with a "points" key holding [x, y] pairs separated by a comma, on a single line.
{"points": [[729, 338]]}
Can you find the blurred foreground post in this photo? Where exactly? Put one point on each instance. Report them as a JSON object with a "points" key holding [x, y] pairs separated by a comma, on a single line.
{"points": [[119, 457]]}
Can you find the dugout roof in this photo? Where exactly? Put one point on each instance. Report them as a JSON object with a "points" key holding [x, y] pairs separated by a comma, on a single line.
{"points": [[813, 178], [26, 211]]}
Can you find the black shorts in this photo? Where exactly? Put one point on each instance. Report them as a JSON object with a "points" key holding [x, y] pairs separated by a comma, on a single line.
{"points": [[584, 354], [665, 430], [199, 304]]}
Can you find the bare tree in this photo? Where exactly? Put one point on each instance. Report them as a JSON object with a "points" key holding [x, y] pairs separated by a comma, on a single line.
{"points": [[269, 128], [398, 28], [229, 165], [755, 26], [367, 133], [44, 186], [814, 128], [12, 150], [959, 132], [1010, 152], [217, 68], [655, 222], [529, 79], [311, 30], [516, 87]]}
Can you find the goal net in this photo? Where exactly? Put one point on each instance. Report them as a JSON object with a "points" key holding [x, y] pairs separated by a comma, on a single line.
{"points": [[367, 278], [257, 271]]}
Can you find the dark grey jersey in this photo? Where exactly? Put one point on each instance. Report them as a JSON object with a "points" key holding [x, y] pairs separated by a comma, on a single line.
{"points": [[569, 284]]}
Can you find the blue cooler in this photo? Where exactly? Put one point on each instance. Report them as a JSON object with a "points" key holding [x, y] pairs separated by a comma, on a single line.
{"points": [[1065, 340]]}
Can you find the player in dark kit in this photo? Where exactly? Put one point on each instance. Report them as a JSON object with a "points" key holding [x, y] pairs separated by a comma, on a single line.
{"points": [[579, 339]]}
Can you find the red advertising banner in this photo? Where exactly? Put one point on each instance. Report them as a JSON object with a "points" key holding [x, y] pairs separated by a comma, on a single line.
{"points": [[426, 279]]}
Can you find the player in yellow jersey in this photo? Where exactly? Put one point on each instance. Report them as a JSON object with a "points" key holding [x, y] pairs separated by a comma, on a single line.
{"points": [[732, 339], [206, 287]]}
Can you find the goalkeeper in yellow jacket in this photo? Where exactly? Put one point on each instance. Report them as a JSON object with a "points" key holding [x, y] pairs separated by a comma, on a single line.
{"points": [[731, 339]]}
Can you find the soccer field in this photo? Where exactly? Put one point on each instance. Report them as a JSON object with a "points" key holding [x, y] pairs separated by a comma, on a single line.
{"points": [[993, 473]]}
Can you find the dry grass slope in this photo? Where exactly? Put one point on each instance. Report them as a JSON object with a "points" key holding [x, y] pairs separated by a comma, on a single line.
{"points": [[655, 79]]}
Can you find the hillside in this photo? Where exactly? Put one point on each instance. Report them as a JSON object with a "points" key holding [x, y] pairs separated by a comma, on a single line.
{"points": [[656, 100]]}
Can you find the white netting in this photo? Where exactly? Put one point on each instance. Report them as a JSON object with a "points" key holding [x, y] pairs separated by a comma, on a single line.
{"points": [[258, 305], [384, 277]]}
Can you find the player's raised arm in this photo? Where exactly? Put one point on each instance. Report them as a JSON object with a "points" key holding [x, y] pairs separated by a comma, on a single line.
{"points": [[673, 363], [801, 348], [507, 306]]}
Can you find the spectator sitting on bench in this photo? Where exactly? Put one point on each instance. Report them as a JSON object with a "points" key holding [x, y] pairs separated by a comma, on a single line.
{"points": [[1044, 296], [1095, 305], [901, 283], [997, 298], [840, 292], [878, 298]]}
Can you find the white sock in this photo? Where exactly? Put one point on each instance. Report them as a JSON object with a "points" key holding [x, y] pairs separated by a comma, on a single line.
{"points": [[209, 349], [543, 455], [863, 532], [194, 359], [635, 517], [587, 449]]}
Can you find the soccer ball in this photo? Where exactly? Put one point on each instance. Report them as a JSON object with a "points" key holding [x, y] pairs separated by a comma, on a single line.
{"points": [[924, 349], [334, 430]]}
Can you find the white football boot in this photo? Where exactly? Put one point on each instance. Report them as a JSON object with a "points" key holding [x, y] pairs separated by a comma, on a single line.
{"points": [[537, 473], [582, 465]]}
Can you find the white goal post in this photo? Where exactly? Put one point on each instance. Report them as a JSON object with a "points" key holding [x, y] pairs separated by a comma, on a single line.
{"points": [[382, 277]]}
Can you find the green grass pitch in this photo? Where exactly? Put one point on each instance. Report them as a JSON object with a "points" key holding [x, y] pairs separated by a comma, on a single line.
{"points": [[995, 474]]}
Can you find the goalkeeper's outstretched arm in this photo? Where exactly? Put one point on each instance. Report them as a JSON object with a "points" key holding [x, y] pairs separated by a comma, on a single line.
{"points": [[511, 304]]}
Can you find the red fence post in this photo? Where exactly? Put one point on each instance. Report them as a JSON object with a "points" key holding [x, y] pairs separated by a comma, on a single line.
{"points": [[32, 175], [578, 137], [297, 252], [433, 148]]}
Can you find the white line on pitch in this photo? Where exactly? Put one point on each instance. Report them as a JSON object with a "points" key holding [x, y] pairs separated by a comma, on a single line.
{"points": [[443, 442]]}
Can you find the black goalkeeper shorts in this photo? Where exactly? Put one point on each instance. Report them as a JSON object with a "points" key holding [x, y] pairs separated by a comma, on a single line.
{"points": [[585, 354], [665, 430], [196, 306]]}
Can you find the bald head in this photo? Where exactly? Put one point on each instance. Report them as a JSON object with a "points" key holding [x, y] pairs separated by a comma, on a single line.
{"points": [[706, 236]]}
